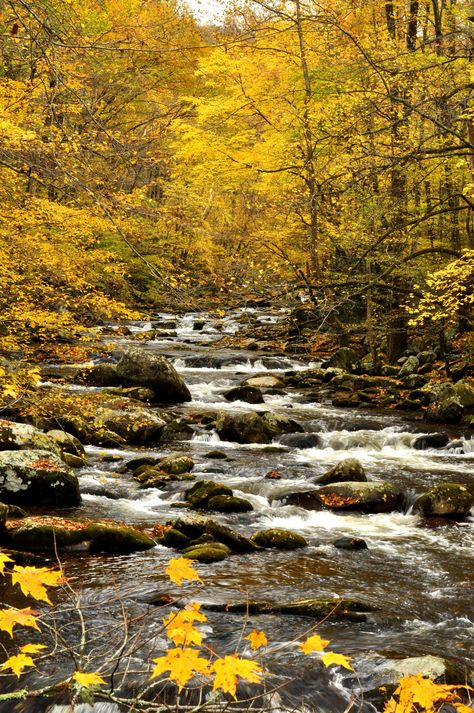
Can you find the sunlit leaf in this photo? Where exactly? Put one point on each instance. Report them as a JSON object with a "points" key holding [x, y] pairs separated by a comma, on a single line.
{"points": [[230, 668], [32, 648], [17, 664], [23, 617], [179, 569], [314, 643], [86, 680], [34, 580], [257, 639], [331, 658], [182, 665], [4, 559]]}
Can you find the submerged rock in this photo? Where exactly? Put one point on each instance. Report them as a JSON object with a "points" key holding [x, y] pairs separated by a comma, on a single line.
{"points": [[207, 552], [336, 609], [349, 469], [430, 440], [446, 499], [49, 533], [301, 440], [350, 543], [37, 477], [138, 367], [279, 538]]}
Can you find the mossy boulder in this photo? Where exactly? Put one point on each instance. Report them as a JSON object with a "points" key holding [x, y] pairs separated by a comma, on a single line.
{"points": [[202, 491], [174, 538], [464, 390], [103, 374], [279, 538], [21, 437], [49, 533], [345, 358], [249, 394], [176, 463], [156, 478], [136, 426], [253, 427], [229, 503], [68, 444], [449, 410], [349, 469], [37, 477], [139, 367], [207, 552], [370, 497], [177, 430], [446, 499], [197, 526]]}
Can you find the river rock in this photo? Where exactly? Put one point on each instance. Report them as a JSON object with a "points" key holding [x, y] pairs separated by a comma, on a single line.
{"points": [[207, 552], [446, 499], [138, 367], [430, 440], [336, 609], [252, 427], [345, 358], [348, 469], [103, 374], [4, 511], [70, 447], [301, 440], [447, 411], [250, 394], [279, 538], [155, 478], [37, 477], [136, 426], [264, 382], [196, 526], [350, 543], [138, 393], [48, 534], [177, 430], [370, 497], [176, 463], [202, 491], [21, 436], [229, 503]]}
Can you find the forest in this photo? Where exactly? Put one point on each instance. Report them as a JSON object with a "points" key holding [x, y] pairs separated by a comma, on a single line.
{"points": [[204, 223]]}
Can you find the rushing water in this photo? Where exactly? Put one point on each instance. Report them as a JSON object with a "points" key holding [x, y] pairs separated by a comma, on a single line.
{"points": [[418, 573]]}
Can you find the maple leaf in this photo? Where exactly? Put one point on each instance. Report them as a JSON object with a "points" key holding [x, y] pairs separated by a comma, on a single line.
{"points": [[417, 691], [257, 639], [462, 708], [229, 668], [34, 580], [86, 680], [179, 569], [3, 560], [23, 617], [32, 648], [313, 643], [182, 664], [338, 659], [17, 664]]}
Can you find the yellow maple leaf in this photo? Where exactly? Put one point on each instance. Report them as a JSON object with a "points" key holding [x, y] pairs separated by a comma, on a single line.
{"points": [[17, 663], [229, 668], [313, 643], [338, 659], [182, 664], [32, 648], [416, 692], [179, 569], [462, 708], [23, 617], [257, 639], [86, 680], [3, 561], [34, 580]]}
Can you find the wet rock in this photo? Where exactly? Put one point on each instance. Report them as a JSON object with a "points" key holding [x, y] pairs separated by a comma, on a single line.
{"points": [[139, 393], [426, 357], [446, 499], [207, 552], [176, 463], [3, 515], [138, 367], [345, 400], [370, 497], [199, 325], [414, 381], [430, 440], [37, 477], [21, 436], [216, 455], [348, 469], [137, 426], [196, 526], [410, 365], [177, 430], [103, 374], [229, 503], [156, 478], [264, 382], [448, 411], [345, 358], [250, 394], [48, 534], [350, 543], [176, 539], [279, 538], [337, 609], [252, 427], [301, 440], [202, 491], [136, 463]]}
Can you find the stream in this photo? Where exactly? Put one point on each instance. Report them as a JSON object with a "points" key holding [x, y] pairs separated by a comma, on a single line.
{"points": [[418, 573]]}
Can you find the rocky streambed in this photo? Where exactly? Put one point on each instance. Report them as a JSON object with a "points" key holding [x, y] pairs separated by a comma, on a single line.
{"points": [[299, 511]]}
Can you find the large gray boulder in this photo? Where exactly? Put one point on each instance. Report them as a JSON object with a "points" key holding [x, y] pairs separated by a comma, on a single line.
{"points": [[137, 426], [37, 477], [139, 367], [252, 427], [372, 497], [21, 437]]}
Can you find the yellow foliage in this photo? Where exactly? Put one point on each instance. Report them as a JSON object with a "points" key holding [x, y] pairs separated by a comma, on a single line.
{"points": [[331, 658], [180, 569], [34, 580], [23, 617], [86, 680], [182, 665], [17, 664], [4, 559], [416, 693], [230, 668], [314, 643], [257, 639]]}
